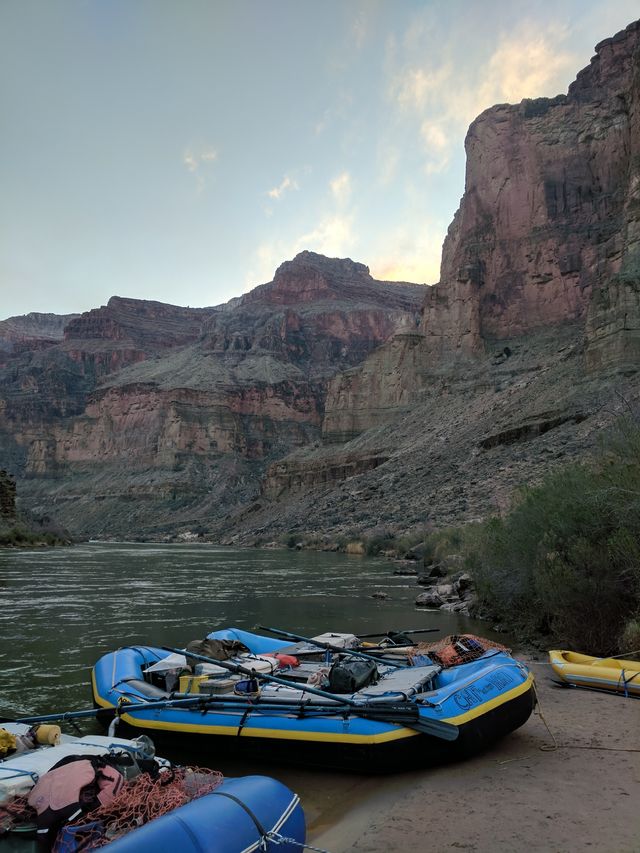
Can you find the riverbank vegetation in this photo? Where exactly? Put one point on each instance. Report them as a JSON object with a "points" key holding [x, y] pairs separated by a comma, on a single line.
{"points": [[20, 536], [564, 564]]}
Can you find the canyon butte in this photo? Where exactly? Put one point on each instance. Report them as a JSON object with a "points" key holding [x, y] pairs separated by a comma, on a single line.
{"points": [[326, 404]]}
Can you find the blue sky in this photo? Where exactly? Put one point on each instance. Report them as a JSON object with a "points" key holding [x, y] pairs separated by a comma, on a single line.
{"points": [[182, 150]]}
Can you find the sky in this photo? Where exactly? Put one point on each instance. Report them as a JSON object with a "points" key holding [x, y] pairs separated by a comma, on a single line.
{"points": [[180, 150]]}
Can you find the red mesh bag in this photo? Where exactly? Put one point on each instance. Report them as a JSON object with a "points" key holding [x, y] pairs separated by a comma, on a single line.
{"points": [[458, 648]]}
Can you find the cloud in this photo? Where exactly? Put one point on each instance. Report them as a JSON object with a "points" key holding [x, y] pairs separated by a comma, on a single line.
{"points": [[437, 144], [341, 188], [526, 66], [436, 99], [190, 162], [286, 183], [360, 28], [197, 161], [332, 236], [194, 159], [413, 88], [409, 253]]}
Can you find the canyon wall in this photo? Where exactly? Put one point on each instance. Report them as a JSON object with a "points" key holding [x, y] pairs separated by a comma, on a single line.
{"points": [[547, 234], [157, 403]]}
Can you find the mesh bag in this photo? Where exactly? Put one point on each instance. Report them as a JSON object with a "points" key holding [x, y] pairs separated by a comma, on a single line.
{"points": [[16, 814], [141, 800], [457, 648]]}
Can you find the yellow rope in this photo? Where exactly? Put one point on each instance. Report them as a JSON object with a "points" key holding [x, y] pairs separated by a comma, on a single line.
{"points": [[538, 711]]}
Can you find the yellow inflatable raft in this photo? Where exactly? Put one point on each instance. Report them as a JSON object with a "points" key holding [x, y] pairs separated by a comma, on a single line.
{"points": [[618, 676]]}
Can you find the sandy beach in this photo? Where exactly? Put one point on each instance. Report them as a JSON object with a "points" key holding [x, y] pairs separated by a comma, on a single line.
{"points": [[523, 794]]}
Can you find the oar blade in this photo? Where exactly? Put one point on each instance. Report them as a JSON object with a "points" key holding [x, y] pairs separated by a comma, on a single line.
{"points": [[409, 716], [436, 728]]}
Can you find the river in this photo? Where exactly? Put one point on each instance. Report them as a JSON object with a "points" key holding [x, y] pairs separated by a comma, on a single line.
{"points": [[60, 609]]}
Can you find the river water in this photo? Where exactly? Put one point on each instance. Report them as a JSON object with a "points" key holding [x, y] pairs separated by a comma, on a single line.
{"points": [[61, 609]]}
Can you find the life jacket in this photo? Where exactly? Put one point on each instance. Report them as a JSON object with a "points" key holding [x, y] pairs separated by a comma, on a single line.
{"points": [[76, 784]]}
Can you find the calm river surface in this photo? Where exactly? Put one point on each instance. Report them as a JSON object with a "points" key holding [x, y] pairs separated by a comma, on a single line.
{"points": [[60, 609]]}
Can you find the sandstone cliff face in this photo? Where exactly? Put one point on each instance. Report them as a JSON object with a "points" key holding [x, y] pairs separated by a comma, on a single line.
{"points": [[322, 314], [545, 242], [550, 208], [546, 235], [153, 401], [32, 331]]}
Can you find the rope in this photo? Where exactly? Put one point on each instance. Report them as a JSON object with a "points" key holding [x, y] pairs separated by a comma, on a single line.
{"points": [[538, 710], [276, 838]]}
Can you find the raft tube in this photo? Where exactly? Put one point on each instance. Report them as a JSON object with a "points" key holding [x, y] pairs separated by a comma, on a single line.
{"points": [[242, 815]]}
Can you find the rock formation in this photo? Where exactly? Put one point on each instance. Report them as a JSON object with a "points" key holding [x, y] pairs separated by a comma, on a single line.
{"points": [[533, 326], [32, 331], [176, 411], [550, 214]]}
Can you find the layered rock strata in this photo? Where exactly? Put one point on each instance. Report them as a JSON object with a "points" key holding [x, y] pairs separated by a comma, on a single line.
{"points": [[172, 406], [547, 234]]}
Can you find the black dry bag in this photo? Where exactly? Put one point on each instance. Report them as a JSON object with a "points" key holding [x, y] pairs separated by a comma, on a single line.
{"points": [[347, 676]]}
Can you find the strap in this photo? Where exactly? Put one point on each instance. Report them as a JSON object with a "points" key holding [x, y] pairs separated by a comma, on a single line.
{"points": [[259, 826]]}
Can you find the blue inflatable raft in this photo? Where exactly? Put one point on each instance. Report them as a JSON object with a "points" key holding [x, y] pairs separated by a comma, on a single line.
{"points": [[242, 815], [409, 716]]}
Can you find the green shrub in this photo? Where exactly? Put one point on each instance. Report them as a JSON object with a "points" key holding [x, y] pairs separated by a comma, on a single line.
{"points": [[565, 562]]}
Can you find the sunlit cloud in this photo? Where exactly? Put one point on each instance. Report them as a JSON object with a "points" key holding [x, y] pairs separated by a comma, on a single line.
{"points": [[415, 87], [526, 67], [409, 253], [341, 188], [439, 98], [285, 184]]}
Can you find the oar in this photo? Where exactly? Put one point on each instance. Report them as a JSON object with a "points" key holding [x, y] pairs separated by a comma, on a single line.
{"points": [[436, 728], [329, 646], [392, 633], [124, 707], [399, 713]]}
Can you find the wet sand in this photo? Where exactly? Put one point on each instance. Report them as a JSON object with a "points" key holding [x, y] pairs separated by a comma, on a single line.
{"points": [[520, 795]]}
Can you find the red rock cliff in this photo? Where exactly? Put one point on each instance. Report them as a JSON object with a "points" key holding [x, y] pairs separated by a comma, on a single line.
{"points": [[550, 208]]}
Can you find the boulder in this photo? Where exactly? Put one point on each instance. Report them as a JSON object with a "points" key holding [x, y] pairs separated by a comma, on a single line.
{"points": [[416, 553], [429, 599], [463, 584], [454, 606], [405, 568], [435, 570]]}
